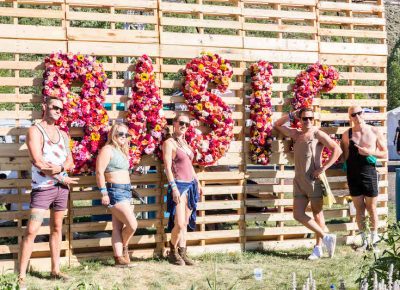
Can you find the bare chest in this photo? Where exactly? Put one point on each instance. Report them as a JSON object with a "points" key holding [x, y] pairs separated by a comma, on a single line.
{"points": [[366, 138]]}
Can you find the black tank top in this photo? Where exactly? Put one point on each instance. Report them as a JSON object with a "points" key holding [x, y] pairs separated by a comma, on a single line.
{"points": [[355, 161]]}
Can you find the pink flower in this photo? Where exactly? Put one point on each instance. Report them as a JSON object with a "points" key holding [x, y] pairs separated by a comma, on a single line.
{"points": [[78, 107]]}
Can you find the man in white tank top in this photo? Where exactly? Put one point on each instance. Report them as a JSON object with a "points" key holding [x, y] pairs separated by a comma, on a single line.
{"points": [[50, 156]]}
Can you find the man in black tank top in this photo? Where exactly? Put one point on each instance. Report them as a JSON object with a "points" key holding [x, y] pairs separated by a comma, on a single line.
{"points": [[362, 145]]}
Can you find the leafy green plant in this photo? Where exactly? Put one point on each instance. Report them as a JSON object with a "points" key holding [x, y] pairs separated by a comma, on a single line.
{"points": [[380, 265], [8, 282]]}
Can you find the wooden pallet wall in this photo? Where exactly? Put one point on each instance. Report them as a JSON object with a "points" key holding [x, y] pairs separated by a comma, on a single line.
{"points": [[234, 213]]}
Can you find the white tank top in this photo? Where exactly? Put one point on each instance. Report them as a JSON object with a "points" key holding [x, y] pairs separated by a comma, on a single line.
{"points": [[55, 153]]}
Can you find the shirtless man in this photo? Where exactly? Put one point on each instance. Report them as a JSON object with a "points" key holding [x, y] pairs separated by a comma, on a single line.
{"points": [[362, 144]]}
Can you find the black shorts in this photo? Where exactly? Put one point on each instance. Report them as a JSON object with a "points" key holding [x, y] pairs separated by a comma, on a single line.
{"points": [[398, 145], [364, 182]]}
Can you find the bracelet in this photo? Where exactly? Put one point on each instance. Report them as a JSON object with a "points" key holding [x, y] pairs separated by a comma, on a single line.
{"points": [[103, 190]]}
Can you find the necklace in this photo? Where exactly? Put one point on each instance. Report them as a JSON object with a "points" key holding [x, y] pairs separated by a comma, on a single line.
{"points": [[183, 145]]}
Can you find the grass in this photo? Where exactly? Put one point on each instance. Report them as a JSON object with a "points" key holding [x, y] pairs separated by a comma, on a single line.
{"points": [[223, 271], [227, 270]]}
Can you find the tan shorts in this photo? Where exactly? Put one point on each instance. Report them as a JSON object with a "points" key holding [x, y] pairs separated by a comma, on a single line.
{"points": [[305, 188]]}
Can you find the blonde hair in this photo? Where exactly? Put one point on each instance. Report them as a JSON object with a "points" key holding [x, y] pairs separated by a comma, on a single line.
{"points": [[112, 139]]}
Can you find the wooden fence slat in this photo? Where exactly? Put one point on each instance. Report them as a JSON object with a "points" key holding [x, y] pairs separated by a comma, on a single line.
{"points": [[290, 34]]}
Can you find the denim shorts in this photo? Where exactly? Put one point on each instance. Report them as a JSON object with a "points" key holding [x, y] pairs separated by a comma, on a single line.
{"points": [[118, 193]]}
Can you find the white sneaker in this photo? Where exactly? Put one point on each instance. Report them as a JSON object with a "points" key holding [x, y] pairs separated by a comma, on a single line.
{"points": [[330, 244], [316, 253], [374, 238]]}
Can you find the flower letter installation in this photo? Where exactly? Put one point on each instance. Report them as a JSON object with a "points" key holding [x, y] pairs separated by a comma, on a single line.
{"points": [[208, 107], [80, 110], [260, 111], [145, 118], [316, 78]]}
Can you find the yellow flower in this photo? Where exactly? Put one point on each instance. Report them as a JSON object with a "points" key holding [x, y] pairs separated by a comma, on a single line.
{"points": [[95, 136], [89, 76], [104, 119], [201, 67], [257, 93], [223, 67], [334, 82], [80, 57], [144, 76], [259, 125], [157, 127], [208, 105], [324, 67], [59, 62], [225, 80], [321, 77], [145, 142], [191, 84], [210, 75], [71, 144], [199, 107]]}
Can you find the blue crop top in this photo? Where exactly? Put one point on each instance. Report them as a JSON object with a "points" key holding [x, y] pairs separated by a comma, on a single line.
{"points": [[118, 161]]}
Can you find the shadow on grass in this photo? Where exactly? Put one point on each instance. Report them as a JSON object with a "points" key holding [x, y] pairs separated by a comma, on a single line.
{"points": [[284, 255], [40, 275]]}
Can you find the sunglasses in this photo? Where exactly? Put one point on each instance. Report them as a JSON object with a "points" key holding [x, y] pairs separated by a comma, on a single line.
{"points": [[122, 134], [304, 119], [182, 123], [359, 113], [56, 108]]}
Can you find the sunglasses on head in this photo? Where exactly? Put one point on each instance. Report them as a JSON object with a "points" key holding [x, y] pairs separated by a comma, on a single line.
{"points": [[56, 108], [307, 118], [359, 113], [122, 134], [183, 123]]}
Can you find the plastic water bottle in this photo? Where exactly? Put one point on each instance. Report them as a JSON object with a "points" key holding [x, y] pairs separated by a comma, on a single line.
{"points": [[258, 274]]}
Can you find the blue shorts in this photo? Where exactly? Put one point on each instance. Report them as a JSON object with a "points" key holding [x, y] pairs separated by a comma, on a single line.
{"points": [[118, 193]]}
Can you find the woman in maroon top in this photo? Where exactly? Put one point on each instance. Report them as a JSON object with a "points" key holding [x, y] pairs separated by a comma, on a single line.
{"points": [[183, 190]]}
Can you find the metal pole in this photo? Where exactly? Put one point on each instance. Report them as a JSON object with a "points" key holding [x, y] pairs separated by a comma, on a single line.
{"points": [[398, 194]]}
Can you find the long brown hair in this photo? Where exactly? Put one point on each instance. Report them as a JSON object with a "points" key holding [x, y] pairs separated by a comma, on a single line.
{"points": [[112, 139]]}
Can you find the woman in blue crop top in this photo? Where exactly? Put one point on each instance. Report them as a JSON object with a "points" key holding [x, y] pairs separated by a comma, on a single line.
{"points": [[113, 180]]}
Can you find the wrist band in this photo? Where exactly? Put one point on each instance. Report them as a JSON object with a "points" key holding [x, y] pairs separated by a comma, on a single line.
{"points": [[291, 117], [103, 190]]}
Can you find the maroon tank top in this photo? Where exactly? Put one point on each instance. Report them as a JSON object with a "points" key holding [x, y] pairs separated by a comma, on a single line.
{"points": [[182, 165]]}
